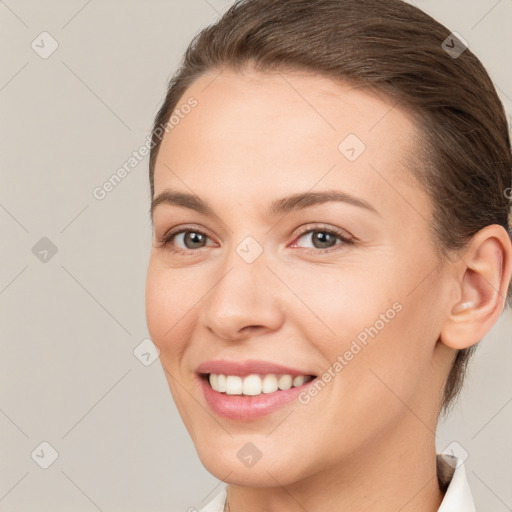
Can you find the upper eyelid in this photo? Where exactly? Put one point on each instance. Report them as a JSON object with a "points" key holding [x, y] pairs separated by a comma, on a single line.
{"points": [[310, 226]]}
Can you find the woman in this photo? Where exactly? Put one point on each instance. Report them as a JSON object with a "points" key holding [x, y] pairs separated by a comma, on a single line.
{"points": [[331, 241]]}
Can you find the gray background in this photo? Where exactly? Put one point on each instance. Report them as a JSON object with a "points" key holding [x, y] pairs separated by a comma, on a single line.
{"points": [[70, 324]]}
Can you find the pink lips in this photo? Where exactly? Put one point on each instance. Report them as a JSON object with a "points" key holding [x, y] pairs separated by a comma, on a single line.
{"points": [[243, 368], [241, 407]]}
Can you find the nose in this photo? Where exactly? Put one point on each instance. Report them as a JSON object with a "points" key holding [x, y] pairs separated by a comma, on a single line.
{"points": [[244, 301]]}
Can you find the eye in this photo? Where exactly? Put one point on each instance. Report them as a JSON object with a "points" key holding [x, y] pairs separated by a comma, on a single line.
{"points": [[191, 237], [324, 239]]}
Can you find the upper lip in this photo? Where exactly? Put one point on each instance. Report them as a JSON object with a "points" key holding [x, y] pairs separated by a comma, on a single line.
{"points": [[244, 368]]}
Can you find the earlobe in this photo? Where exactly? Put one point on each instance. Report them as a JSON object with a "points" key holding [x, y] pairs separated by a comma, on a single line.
{"points": [[482, 278]]}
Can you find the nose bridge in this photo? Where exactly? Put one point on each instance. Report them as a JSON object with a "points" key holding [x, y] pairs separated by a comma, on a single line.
{"points": [[242, 295], [244, 266]]}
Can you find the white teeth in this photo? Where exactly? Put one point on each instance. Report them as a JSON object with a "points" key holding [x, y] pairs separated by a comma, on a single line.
{"points": [[269, 384], [298, 381], [221, 383], [285, 382], [253, 385], [233, 385]]}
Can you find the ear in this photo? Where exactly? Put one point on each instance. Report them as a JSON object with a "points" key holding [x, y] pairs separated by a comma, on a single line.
{"points": [[482, 279]]}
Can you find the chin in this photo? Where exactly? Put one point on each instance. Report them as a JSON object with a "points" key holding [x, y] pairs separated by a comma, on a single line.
{"points": [[260, 475], [238, 461]]}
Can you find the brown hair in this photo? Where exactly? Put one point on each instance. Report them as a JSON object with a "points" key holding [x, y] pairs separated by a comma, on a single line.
{"points": [[391, 48]]}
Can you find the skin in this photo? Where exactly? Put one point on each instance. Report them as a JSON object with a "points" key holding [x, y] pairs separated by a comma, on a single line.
{"points": [[367, 440]]}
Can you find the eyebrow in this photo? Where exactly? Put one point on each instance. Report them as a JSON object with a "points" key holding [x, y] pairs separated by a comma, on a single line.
{"points": [[281, 206]]}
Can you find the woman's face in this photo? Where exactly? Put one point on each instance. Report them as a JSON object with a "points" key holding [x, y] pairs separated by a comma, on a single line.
{"points": [[262, 281]]}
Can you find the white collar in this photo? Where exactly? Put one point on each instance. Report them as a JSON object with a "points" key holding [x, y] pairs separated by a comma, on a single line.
{"points": [[457, 498]]}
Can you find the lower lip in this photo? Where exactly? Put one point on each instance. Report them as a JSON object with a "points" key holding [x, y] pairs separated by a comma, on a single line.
{"points": [[243, 407]]}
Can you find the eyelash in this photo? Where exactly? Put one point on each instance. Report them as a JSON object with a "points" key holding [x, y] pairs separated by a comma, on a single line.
{"points": [[165, 241]]}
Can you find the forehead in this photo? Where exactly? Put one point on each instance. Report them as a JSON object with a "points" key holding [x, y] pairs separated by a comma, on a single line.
{"points": [[256, 134]]}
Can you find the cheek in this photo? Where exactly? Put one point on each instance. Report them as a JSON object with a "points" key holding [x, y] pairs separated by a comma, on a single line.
{"points": [[336, 303], [168, 303], [156, 300], [392, 369], [365, 321], [168, 324]]}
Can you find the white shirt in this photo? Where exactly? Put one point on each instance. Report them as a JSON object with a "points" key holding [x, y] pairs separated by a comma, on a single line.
{"points": [[457, 498]]}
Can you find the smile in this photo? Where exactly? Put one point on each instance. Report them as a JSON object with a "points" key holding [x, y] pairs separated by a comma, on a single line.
{"points": [[255, 384]]}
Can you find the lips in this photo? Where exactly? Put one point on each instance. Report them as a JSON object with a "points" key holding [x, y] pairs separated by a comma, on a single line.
{"points": [[248, 367], [236, 406]]}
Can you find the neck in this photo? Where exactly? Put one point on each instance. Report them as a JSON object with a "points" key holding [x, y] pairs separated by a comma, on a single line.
{"points": [[397, 472]]}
